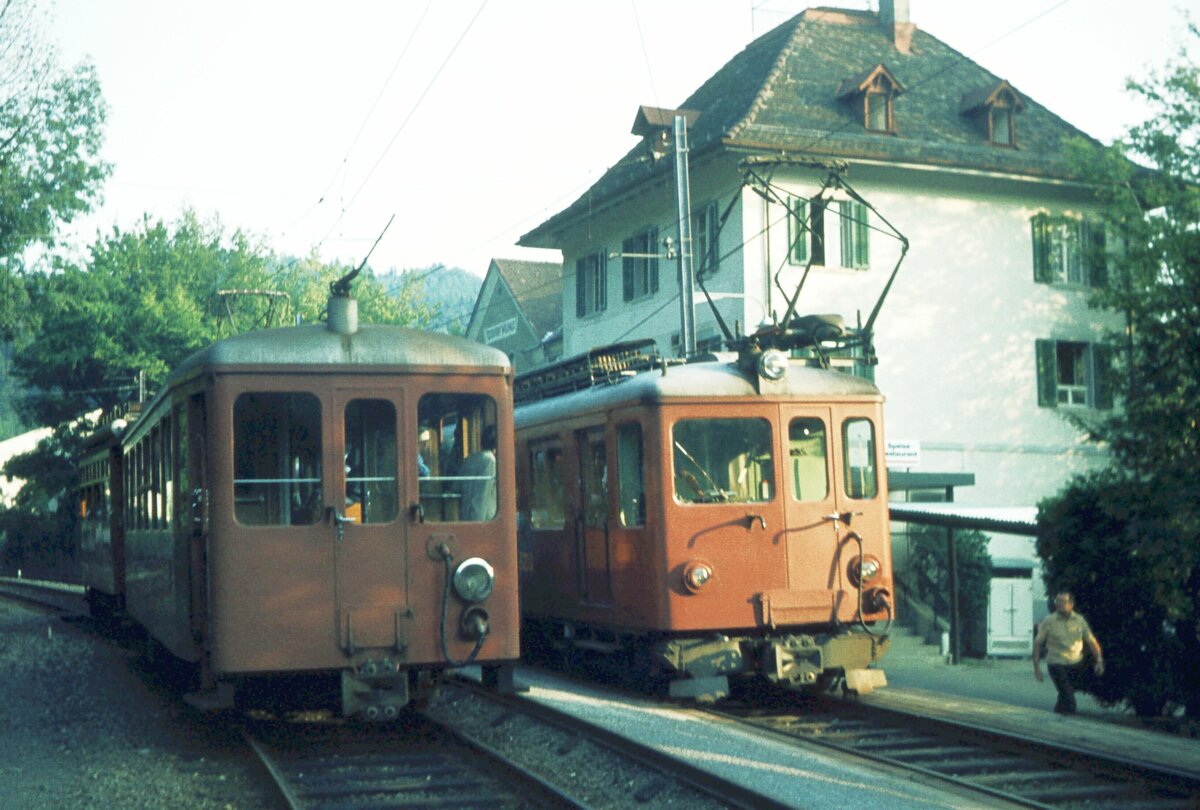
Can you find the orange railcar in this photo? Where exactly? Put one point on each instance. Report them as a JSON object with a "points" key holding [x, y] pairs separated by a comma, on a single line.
{"points": [[705, 521], [327, 499]]}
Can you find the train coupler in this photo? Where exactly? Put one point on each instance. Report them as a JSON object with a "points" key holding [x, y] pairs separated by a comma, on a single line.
{"points": [[794, 661], [374, 690]]}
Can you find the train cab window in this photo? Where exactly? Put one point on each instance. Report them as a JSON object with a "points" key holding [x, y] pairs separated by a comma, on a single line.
{"points": [[371, 473], [277, 459], [858, 447], [723, 461], [807, 452], [629, 475], [456, 463], [547, 491]]}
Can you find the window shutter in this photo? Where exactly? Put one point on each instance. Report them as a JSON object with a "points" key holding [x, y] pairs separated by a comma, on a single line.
{"points": [[797, 235], [1041, 249], [1102, 376], [580, 288], [601, 281], [627, 267], [652, 264], [1096, 254], [1047, 375], [862, 256]]}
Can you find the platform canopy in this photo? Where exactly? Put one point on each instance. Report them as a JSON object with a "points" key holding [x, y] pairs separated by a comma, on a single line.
{"points": [[1020, 520]]}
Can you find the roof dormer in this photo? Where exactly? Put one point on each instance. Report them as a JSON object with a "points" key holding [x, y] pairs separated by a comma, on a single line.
{"points": [[994, 110], [656, 126], [872, 93]]}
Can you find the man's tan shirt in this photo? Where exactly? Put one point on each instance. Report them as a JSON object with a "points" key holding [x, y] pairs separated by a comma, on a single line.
{"points": [[1063, 638]]}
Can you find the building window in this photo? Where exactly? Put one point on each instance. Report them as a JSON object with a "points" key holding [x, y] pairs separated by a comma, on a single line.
{"points": [[1067, 250], [704, 240], [871, 93], [1002, 129], [591, 284], [1074, 374], [639, 264], [879, 111], [854, 234], [806, 230]]}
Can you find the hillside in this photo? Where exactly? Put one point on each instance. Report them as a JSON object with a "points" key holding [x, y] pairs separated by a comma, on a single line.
{"points": [[451, 290]]}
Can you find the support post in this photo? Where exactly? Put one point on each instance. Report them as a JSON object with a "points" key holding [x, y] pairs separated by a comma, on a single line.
{"points": [[952, 576], [687, 285]]}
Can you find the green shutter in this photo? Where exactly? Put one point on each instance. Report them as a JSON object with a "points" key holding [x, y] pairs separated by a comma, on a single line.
{"points": [[580, 288], [862, 254], [601, 281], [1041, 248], [1096, 254], [797, 234], [627, 266], [652, 264], [1102, 375], [1047, 374]]}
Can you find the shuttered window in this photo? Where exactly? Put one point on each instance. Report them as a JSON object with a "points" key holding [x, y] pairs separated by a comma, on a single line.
{"points": [[1068, 251], [854, 235], [639, 264], [591, 283], [1074, 374]]}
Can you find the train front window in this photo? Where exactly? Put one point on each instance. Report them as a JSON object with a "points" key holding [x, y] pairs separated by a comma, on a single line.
{"points": [[277, 459], [371, 461], [858, 448], [722, 461], [456, 464], [629, 475], [807, 453]]}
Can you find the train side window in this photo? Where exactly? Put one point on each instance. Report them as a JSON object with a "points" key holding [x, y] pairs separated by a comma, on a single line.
{"points": [[547, 492], [807, 451], [457, 482], [723, 461], [371, 474], [629, 475], [277, 459], [858, 448]]}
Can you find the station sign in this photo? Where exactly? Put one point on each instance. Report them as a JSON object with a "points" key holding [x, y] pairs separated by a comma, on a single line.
{"points": [[903, 453]]}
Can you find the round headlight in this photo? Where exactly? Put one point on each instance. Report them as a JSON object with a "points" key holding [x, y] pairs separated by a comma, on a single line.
{"points": [[773, 364], [864, 569], [696, 575], [474, 579]]}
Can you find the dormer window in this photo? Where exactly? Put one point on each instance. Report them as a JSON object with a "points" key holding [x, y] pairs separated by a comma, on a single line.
{"points": [[656, 127], [872, 93], [994, 110]]}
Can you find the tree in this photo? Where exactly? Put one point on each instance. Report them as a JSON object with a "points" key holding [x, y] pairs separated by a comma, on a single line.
{"points": [[973, 572], [51, 130], [1128, 540]]}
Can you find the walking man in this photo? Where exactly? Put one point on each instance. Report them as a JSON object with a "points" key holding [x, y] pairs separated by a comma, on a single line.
{"points": [[1064, 632]]}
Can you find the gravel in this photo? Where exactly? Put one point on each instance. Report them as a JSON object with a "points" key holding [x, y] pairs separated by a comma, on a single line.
{"points": [[82, 726]]}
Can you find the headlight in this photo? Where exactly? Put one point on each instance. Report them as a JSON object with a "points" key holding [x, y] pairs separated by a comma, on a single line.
{"points": [[772, 364], [864, 569], [474, 579], [696, 575]]}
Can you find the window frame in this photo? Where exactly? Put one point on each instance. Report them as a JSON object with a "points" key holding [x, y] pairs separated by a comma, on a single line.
{"points": [[591, 284], [806, 215], [1097, 387], [704, 239], [1069, 251], [855, 233], [639, 265]]}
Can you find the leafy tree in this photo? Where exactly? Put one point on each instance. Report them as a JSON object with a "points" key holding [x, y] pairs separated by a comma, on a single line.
{"points": [[1127, 541], [38, 531], [973, 572], [51, 130]]}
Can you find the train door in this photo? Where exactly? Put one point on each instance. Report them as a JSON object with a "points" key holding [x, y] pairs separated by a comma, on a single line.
{"points": [[370, 582], [861, 504], [591, 521], [809, 495]]}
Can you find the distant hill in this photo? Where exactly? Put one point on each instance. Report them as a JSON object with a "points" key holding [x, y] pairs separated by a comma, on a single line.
{"points": [[451, 289]]}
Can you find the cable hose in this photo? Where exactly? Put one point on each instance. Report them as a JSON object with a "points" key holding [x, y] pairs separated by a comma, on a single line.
{"points": [[887, 602], [447, 558]]}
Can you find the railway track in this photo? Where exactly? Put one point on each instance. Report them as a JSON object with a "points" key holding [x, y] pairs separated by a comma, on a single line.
{"points": [[415, 762], [55, 595], [1029, 773]]}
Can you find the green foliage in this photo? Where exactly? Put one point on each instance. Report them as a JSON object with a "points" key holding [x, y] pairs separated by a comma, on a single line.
{"points": [[38, 531], [1126, 541], [973, 571], [51, 131]]}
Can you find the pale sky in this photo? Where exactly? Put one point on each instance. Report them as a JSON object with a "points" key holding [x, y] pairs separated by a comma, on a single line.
{"points": [[472, 121]]}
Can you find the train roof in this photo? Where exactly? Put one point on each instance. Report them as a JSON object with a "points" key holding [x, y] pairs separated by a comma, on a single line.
{"points": [[708, 380], [316, 345]]}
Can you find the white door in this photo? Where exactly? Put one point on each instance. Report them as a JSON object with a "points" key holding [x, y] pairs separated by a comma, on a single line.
{"points": [[1010, 617]]}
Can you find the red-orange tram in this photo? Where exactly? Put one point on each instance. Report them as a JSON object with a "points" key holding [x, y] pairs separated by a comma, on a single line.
{"points": [[698, 522], [327, 499]]}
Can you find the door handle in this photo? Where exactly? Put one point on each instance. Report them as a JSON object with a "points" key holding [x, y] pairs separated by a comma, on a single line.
{"points": [[418, 513]]}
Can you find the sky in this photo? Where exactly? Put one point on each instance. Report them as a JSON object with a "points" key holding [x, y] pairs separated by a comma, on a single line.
{"points": [[312, 125]]}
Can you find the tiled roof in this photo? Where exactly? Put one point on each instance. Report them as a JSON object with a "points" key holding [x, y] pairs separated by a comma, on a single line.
{"points": [[779, 95], [537, 286]]}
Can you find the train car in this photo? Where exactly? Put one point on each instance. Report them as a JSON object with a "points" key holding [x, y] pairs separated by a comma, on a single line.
{"points": [[101, 524], [698, 522], [326, 499]]}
